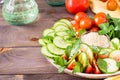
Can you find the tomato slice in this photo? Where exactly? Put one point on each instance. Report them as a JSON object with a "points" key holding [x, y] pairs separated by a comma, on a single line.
{"points": [[71, 65]]}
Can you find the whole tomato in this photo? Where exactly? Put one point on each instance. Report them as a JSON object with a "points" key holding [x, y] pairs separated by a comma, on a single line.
{"points": [[85, 23], [100, 18], [79, 16], [75, 6]]}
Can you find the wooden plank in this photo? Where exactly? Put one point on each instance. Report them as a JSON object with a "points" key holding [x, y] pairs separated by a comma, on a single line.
{"points": [[14, 36], [25, 61], [41, 77]]}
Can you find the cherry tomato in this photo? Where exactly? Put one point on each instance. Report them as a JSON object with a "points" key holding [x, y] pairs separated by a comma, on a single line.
{"points": [[76, 26], [100, 18], [85, 23], [103, 0], [112, 5], [79, 15], [75, 6]]}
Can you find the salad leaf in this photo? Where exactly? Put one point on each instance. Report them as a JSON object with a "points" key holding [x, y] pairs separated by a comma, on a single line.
{"points": [[77, 68], [68, 50], [75, 48], [118, 64], [60, 61], [82, 32], [111, 28], [61, 69], [102, 65]]}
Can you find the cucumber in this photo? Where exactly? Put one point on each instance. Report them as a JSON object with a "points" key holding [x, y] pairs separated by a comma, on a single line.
{"points": [[47, 31], [59, 23], [46, 53], [67, 22], [41, 42], [104, 53], [85, 48], [114, 43], [55, 50], [61, 28], [115, 55], [62, 33], [60, 42], [83, 59], [107, 65]]}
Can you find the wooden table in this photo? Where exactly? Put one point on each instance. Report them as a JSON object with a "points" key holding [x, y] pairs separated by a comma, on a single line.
{"points": [[20, 56]]}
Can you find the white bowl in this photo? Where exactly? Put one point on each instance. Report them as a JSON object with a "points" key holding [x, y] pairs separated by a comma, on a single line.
{"points": [[85, 75]]}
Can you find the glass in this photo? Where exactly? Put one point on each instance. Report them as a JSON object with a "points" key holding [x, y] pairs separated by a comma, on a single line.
{"points": [[56, 2], [20, 12]]}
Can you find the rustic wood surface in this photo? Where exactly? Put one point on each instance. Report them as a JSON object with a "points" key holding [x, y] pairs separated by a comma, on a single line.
{"points": [[20, 56]]}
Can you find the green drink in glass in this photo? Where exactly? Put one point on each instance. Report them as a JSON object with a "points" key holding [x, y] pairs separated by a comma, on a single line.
{"points": [[20, 12]]}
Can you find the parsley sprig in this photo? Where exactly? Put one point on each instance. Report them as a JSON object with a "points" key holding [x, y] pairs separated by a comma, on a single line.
{"points": [[111, 28]]}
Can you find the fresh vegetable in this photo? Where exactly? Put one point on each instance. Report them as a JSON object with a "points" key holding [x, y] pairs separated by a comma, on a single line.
{"points": [[62, 44], [75, 6], [107, 65], [112, 5], [85, 23], [83, 59], [100, 18], [111, 28], [79, 16], [96, 69], [115, 54], [89, 68]]}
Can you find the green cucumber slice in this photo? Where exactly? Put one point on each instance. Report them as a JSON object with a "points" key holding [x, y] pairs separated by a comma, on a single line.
{"points": [[107, 65], [85, 48], [47, 31], [115, 54], [41, 42], [83, 59], [59, 23], [66, 21], [62, 33], [114, 43], [46, 53], [61, 28], [55, 50], [60, 42]]}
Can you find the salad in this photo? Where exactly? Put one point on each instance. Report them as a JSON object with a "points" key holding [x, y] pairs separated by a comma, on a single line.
{"points": [[92, 47]]}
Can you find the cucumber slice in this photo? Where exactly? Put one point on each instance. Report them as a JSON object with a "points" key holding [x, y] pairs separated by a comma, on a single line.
{"points": [[60, 42], [47, 31], [59, 23], [107, 65], [85, 48], [61, 28], [83, 59], [46, 53], [114, 43], [55, 50], [115, 55], [67, 22], [62, 33], [41, 42]]}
